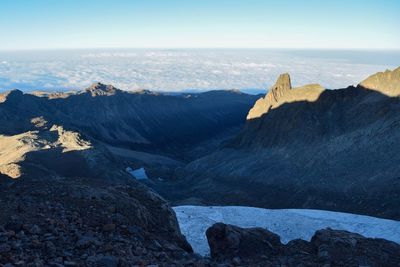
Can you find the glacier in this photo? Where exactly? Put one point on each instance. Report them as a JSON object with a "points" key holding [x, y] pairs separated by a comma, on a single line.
{"points": [[288, 223]]}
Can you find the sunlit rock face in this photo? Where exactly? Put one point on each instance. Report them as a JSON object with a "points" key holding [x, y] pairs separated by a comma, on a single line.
{"points": [[100, 89], [282, 92], [387, 82], [281, 87], [21, 149]]}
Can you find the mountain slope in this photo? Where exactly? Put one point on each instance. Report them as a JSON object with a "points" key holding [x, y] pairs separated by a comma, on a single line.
{"points": [[133, 126], [337, 151], [141, 119]]}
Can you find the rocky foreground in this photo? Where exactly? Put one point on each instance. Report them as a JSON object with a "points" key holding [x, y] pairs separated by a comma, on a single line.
{"points": [[69, 223], [87, 228], [237, 246]]}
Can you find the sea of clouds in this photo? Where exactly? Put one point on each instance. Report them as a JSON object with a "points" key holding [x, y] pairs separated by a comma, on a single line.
{"points": [[187, 69]]}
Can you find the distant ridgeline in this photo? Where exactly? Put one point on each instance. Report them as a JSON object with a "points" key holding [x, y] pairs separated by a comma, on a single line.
{"points": [[129, 119]]}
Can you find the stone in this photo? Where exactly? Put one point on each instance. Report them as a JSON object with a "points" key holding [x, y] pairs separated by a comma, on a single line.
{"points": [[84, 242], [34, 230], [228, 241], [108, 261], [4, 248], [70, 263], [14, 225], [345, 248], [109, 227]]}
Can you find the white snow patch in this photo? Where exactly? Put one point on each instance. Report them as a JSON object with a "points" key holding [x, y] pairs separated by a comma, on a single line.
{"points": [[139, 174], [288, 223]]}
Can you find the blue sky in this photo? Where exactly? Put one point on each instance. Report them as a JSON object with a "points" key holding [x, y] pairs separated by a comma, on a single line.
{"points": [[337, 24]]}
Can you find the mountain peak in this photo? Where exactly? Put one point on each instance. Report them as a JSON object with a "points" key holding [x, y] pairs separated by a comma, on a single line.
{"points": [[12, 94], [283, 92], [281, 87], [387, 82], [101, 89]]}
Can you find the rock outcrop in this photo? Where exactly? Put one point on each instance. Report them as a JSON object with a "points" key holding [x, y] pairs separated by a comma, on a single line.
{"points": [[258, 247], [387, 82], [228, 242], [21, 149], [282, 92], [100, 89], [280, 88]]}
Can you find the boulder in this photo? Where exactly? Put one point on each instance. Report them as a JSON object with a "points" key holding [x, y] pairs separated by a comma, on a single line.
{"points": [[342, 248], [229, 241], [233, 245]]}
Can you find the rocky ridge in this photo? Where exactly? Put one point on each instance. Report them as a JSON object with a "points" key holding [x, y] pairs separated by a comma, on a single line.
{"points": [[387, 82], [307, 148], [100, 89], [167, 125]]}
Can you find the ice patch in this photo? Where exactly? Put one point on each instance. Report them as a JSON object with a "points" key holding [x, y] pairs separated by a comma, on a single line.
{"points": [[288, 223], [139, 174]]}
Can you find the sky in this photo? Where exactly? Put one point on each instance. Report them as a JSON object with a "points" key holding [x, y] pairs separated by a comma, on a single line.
{"points": [[328, 24]]}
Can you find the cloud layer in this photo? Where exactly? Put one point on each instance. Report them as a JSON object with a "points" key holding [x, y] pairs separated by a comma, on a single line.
{"points": [[177, 70]]}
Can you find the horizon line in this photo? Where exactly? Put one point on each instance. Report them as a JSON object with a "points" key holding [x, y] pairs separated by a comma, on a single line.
{"points": [[201, 48]]}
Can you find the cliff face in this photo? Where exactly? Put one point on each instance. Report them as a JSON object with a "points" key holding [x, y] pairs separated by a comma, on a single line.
{"points": [[309, 148]]}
